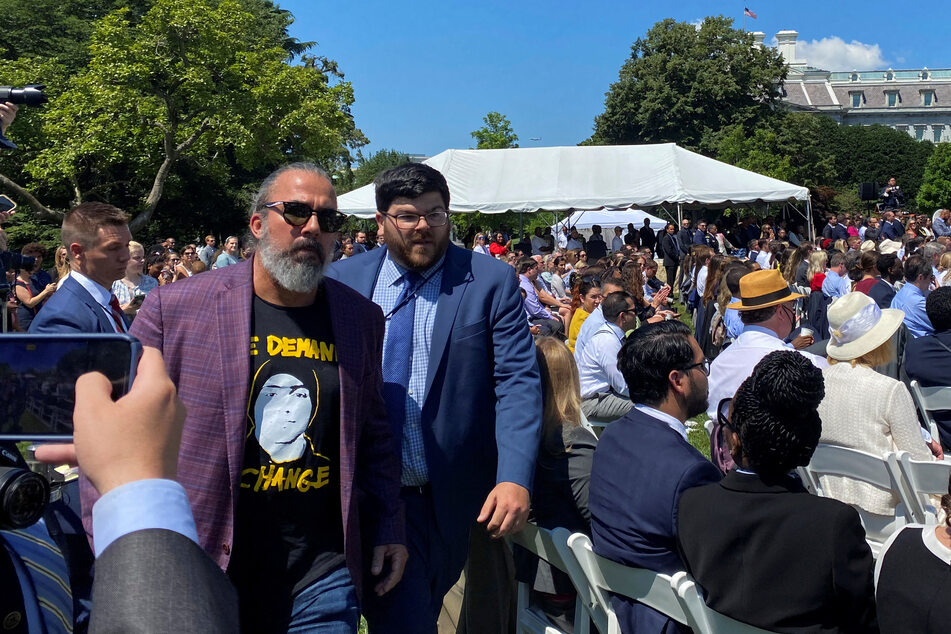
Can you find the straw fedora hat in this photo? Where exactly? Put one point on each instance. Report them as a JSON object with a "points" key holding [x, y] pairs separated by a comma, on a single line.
{"points": [[888, 246], [762, 289], [868, 245], [859, 326]]}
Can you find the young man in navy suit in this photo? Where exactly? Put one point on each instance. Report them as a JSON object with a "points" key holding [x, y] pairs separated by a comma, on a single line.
{"points": [[461, 386], [97, 237], [643, 462]]}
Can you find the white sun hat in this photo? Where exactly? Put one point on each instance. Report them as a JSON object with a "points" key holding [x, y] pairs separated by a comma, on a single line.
{"points": [[859, 326]]}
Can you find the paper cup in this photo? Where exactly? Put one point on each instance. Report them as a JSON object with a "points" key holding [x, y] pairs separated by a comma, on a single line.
{"points": [[806, 332]]}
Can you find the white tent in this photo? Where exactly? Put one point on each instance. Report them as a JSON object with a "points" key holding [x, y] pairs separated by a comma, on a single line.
{"points": [[608, 219], [590, 177]]}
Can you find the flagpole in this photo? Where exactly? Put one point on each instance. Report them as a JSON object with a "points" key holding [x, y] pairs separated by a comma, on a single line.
{"points": [[744, 19]]}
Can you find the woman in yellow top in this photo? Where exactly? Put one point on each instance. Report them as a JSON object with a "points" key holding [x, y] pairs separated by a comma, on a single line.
{"points": [[585, 297]]}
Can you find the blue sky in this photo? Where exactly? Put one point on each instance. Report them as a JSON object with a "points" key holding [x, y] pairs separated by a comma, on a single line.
{"points": [[424, 73]]}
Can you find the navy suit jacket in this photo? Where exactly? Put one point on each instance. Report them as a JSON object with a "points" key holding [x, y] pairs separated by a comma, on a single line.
{"points": [[641, 467], [481, 418], [72, 309], [929, 363]]}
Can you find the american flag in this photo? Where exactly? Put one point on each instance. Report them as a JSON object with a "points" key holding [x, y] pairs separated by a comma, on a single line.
{"points": [[746, 11]]}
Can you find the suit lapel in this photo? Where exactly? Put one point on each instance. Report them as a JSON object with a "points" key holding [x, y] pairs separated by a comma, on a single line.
{"points": [[455, 278], [105, 325], [233, 314]]}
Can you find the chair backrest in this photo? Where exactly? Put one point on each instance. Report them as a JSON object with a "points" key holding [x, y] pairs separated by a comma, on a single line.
{"points": [[843, 461], [921, 479], [605, 577], [700, 617], [930, 399], [541, 542]]}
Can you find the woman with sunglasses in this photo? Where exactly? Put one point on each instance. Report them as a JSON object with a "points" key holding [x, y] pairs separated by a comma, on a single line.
{"points": [[190, 264], [478, 244], [764, 550]]}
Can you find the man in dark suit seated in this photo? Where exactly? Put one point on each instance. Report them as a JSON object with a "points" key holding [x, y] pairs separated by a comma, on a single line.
{"points": [[644, 463], [890, 269], [928, 358], [151, 575]]}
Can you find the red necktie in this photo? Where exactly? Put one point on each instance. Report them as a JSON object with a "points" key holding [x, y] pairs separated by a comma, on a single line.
{"points": [[116, 313]]}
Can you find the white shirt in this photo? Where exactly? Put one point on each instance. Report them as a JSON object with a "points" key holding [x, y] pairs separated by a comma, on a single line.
{"points": [[99, 293], [762, 258], [597, 365], [562, 240], [537, 243], [736, 363], [702, 281], [672, 422]]}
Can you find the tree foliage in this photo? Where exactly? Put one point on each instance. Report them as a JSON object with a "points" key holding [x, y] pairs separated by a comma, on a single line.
{"points": [[496, 134], [371, 166], [684, 84], [935, 191], [186, 98]]}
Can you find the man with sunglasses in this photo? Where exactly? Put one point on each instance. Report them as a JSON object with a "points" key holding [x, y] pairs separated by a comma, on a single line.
{"points": [[768, 312], [303, 530], [456, 339]]}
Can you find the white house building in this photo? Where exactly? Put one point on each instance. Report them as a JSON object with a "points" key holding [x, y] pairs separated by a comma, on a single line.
{"points": [[914, 101]]}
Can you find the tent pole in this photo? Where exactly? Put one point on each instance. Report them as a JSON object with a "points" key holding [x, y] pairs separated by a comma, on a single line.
{"points": [[809, 224], [680, 215]]}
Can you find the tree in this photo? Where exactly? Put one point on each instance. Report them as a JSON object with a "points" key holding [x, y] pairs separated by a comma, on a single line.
{"points": [[373, 165], [684, 84], [496, 134], [935, 191], [184, 86], [789, 147]]}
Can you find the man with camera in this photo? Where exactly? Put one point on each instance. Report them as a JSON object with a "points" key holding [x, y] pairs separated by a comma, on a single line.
{"points": [[892, 198]]}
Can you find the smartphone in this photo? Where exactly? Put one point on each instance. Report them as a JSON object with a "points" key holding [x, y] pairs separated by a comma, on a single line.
{"points": [[38, 377]]}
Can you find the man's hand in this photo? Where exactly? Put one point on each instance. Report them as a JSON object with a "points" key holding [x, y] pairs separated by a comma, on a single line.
{"points": [[936, 450], [802, 341], [505, 510], [8, 112], [397, 555], [134, 438]]}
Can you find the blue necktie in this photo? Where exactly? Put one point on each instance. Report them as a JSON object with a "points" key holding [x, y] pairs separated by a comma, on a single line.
{"points": [[48, 573], [398, 354]]}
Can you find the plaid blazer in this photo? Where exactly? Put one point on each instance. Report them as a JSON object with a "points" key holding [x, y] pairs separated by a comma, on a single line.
{"points": [[202, 325]]}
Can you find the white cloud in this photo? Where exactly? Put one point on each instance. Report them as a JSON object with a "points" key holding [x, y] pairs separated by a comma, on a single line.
{"points": [[833, 53], [697, 23]]}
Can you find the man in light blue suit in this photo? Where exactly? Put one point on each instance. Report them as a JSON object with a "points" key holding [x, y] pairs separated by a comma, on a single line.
{"points": [[461, 385], [97, 238]]}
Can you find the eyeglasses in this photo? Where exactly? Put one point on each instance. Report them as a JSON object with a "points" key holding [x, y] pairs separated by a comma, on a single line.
{"points": [[723, 412], [477, 237], [298, 214], [411, 221], [703, 365], [175, 260]]}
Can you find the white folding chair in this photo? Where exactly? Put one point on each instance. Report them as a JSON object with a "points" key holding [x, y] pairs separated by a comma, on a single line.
{"points": [[930, 399], [700, 617], [921, 478], [832, 460], [603, 577], [529, 618]]}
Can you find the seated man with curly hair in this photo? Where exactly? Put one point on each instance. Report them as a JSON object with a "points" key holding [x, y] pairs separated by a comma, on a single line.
{"points": [[765, 551]]}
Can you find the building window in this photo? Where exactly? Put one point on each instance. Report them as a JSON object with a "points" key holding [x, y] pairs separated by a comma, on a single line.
{"points": [[925, 74], [927, 98], [889, 76], [902, 128], [936, 131], [854, 77], [857, 98], [892, 98], [919, 132]]}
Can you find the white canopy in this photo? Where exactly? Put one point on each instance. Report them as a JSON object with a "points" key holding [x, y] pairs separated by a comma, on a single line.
{"points": [[589, 177], [608, 219]]}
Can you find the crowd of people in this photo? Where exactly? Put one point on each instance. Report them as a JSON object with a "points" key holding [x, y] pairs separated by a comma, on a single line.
{"points": [[362, 423]]}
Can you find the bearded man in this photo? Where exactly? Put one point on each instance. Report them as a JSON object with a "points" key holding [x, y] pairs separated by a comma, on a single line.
{"points": [[287, 457]]}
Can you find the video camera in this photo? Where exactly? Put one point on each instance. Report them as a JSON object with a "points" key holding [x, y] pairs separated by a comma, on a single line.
{"points": [[29, 95]]}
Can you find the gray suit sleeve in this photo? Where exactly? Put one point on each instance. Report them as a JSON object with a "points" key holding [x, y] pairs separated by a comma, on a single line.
{"points": [[159, 581]]}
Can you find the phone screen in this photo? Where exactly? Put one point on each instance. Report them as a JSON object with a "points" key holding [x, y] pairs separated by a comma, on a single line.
{"points": [[38, 377]]}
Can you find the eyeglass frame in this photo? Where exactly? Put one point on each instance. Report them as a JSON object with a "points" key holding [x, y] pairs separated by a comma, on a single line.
{"points": [[402, 225], [703, 365], [324, 215], [721, 418]]}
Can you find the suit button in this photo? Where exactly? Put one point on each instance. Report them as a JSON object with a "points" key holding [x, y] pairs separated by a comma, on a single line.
{"points": [[12, 620], [226, 549]]}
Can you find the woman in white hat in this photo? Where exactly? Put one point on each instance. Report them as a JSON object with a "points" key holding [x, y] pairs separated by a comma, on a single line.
{"points": [[863, 409]]}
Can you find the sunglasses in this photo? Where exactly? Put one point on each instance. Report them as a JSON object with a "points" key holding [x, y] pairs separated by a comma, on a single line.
{"points": [[298, 214], [723, 412]]}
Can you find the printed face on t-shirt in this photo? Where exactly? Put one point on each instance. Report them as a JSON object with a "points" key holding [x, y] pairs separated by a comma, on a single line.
{"points": [[283, 411]]}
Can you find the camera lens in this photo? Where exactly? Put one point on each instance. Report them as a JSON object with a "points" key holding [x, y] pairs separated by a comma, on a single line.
{"points": [[23, 497]]}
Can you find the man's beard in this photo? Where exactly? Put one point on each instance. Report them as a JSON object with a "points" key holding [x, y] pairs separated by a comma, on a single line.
{"points": [[698, 402], [287, 268]]}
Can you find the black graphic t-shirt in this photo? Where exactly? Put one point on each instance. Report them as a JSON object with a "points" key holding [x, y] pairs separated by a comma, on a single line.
{"points": [[288, 526]]}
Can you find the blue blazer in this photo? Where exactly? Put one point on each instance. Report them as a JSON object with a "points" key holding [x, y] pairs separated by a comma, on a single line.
{"points": [[641, 467], [72, 309], [481, 419]]}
